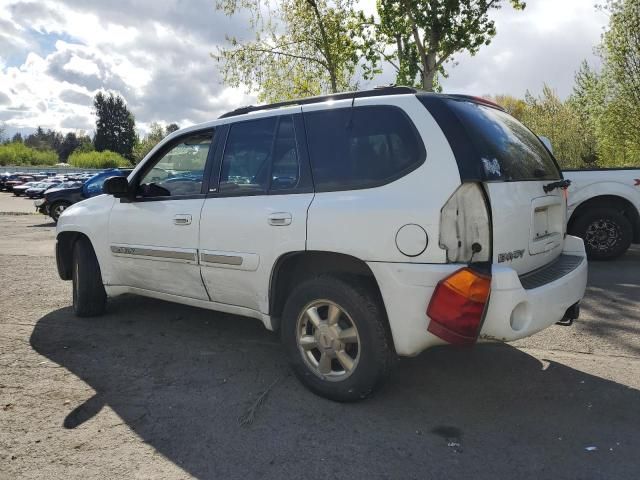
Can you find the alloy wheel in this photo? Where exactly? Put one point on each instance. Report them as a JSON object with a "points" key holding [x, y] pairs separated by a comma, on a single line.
{"points": [[603, 235], [328, 340]]}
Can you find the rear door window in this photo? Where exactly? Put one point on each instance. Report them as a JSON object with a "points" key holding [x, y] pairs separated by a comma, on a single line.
{"points": [[259, 156], [361, 147], [507, 150]]}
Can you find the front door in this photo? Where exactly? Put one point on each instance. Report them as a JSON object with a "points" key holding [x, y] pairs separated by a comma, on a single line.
{"points": [[153, 238], [258, 211]]}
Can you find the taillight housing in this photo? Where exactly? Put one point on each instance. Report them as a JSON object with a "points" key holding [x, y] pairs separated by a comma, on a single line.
{"points": [[465, 230], [458, 305]]}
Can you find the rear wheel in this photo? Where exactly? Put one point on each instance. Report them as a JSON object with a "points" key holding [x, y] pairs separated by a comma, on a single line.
{"points": [[335, 337], [606, 232], [56, 210], [89, 296]]}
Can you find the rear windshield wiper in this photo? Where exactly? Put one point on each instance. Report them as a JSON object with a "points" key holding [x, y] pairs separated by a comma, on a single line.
{"points": [[564, 184]]}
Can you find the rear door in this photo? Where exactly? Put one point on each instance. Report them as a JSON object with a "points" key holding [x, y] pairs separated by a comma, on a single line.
{"points": [[256, 210], [528, 223]]}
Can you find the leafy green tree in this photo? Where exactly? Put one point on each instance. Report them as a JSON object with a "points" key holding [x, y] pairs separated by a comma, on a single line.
{"points": [[422, 35], [172, 127], [70, 143], [115, 125], [43, 139], [17, 138], [547, 115], [156, 133], [301, 48], [619, 121]]}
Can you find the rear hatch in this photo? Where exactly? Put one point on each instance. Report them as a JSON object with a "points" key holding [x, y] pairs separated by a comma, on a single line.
{"points": [[514, 167]]}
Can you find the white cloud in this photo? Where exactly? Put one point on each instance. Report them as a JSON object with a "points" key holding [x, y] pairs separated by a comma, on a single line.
{"points": [[55, 55]]}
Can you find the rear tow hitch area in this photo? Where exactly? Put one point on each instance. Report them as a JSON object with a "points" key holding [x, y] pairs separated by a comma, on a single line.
{"points": [[572, 313]]}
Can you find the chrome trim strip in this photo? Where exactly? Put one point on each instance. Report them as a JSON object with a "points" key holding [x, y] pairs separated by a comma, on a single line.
{"points": [[149, 252], [221, 259]]}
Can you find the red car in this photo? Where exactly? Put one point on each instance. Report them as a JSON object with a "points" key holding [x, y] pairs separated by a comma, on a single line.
{"points": [[18, 181]]}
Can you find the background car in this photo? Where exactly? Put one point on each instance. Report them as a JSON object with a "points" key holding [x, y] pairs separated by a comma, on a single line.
{"points": [[38, 190], [16, 179], [57, 200], [19, 189]]}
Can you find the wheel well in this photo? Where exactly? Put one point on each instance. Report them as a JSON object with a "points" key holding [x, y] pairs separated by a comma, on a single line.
{"points": [[620, 204], [295, 267], [64, 252]]}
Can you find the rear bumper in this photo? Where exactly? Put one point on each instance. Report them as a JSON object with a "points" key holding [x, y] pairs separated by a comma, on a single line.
{"points": [[513, 312]]}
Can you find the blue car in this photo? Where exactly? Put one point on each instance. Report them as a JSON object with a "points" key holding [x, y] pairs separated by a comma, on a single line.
{"points": [[57, 200]]}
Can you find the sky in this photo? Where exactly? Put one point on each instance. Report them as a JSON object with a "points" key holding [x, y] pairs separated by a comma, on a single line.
{"points": [[56, 55]]}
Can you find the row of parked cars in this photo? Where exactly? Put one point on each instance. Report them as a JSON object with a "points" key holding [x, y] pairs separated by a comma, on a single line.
{"points": [[56, 192]]}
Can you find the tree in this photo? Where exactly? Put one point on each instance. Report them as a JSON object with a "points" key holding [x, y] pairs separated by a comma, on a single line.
{"points": [[70, 143], [156, 133], [424, 34], [172, 127], [2, 130], [301, 48], [17, 138], [115, 125], [619, 122], [43, 139]]}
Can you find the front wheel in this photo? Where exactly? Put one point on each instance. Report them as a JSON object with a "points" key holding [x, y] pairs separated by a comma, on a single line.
{"points": [[56, 210], [334, 333], [89, 296], [607, 233]]}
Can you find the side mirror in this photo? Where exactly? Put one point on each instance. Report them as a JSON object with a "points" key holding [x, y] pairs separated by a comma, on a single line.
{"points": [[116, 186], [547, 143]]}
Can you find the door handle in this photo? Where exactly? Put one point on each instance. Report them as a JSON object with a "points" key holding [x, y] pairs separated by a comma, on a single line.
{"points": [[280, 219], [182, 219]]}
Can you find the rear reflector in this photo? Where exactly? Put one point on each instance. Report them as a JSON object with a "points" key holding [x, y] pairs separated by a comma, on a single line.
{"points": [[457, 306]]}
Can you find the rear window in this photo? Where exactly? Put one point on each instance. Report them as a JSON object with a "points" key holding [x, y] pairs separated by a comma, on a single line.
{"points": [[507, 150], [361, 147]]}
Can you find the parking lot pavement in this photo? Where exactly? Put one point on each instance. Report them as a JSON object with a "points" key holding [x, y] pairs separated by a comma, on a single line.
{"points": [[9, 203], [156, 390]]}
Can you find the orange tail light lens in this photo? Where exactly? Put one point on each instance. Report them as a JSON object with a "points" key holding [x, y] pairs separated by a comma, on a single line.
{"points": [[457, 306]]}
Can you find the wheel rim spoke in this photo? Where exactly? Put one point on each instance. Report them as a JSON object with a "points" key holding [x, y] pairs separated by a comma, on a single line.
{"points": [[334, 314], [345, 360], [348, 335], [313, 315], [324, 365], [308, 342]]}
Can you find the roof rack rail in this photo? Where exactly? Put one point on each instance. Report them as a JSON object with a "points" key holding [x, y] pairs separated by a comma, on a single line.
{"points": [[375, 92]]}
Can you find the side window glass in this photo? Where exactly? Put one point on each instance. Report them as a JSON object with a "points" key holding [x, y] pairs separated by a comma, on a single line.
{"points": [[361, 147], [179, 171], [285, 171], [247, 156]]}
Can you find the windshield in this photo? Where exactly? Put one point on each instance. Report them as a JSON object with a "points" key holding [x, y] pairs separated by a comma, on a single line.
{"points": [[508, 150]]}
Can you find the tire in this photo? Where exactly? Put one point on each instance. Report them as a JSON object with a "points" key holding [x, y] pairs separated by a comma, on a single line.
{"points": [[56, 210], [607, 233], [89, 296], [321, 364]]}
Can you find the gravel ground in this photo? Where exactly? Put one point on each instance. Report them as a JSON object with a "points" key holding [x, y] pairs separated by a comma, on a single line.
{"points": [[11, 203], [157, 390]]}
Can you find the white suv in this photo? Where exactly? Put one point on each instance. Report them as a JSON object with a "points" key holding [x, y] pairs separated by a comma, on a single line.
{"points": [[361, 226]]}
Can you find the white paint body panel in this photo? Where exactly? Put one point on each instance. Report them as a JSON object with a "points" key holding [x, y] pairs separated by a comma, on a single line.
{"points": [[239, 226], [515, 206], [150, 225], [364, 223], [588, 184]]}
